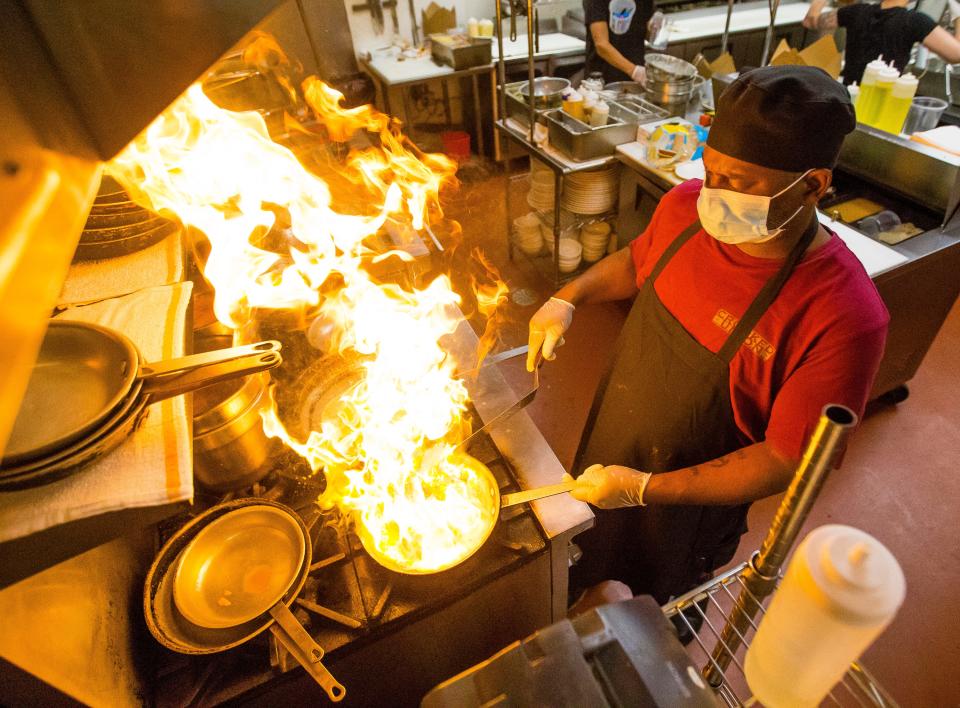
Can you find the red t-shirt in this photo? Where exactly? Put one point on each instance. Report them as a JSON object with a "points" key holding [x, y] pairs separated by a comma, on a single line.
{"points": [[820, 341]]}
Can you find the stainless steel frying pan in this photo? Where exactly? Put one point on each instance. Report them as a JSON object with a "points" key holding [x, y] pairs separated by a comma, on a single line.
{"points": [[230, 574], [85, 372]]}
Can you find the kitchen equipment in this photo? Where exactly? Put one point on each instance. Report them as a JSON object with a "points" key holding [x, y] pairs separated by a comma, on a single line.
{"points": [[664, 67], [675, 96], [547, 91], [841, 590], [229, 445], [619, 654], [491, 490], [924, 114], [461, 52], [183, 570], [581, 141], [591, 191], [617, 90], [85, 371], [893, 112], [522, 402]]}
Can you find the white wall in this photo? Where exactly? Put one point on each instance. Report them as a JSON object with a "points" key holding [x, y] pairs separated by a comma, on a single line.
{"points": [[365, 39]]}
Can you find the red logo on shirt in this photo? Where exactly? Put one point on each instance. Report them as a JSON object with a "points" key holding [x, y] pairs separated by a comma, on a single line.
{"points": [[754, 342]]}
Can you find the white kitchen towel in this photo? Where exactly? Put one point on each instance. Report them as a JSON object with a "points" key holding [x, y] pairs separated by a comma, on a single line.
{"points": [[154, 466], [162, 263]]}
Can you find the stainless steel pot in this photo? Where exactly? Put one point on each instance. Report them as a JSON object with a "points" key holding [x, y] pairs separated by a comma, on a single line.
{"points": [[230, 449], [675, 96], [547, 91]]}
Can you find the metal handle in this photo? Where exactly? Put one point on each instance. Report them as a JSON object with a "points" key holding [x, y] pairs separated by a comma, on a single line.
{"points": [[197, 361], [726, 29], [179, 376], [827, 440], [507, 412], [307, 652], [537, 493]]}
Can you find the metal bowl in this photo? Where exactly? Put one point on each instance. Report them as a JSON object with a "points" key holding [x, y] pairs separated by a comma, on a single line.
{"points": [[547, 91], [664, 67]]}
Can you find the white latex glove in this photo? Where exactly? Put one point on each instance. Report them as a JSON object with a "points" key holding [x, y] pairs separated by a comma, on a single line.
{"points": [[546, 329], [640, 72], [954, 6], [611, 486]]}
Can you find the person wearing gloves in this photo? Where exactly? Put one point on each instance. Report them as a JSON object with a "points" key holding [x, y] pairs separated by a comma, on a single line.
{"points": [[886, 29], [749, 317], [616, 32]]}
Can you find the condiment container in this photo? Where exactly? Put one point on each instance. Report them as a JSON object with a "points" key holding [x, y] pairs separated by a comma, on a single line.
{"points": [[881, 92], [894, 110], [841, 589], [486, 27], [573, 104], [473, 27], [599, 114], [866, 105]]}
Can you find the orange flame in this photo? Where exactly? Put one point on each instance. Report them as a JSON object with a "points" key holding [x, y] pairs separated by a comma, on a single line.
{"points": [[388, 447]]}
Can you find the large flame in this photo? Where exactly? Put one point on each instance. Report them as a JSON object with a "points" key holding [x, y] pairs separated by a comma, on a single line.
{"points": [[388, 449]]}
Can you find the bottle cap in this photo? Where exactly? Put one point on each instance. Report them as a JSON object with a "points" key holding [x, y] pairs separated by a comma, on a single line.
{"points": [[887, 74], [853, 575]]}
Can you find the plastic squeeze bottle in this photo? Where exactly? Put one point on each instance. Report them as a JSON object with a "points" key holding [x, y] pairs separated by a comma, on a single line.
{"points": [[865, 101], [894, 110], [841, 589], [881, 92]]}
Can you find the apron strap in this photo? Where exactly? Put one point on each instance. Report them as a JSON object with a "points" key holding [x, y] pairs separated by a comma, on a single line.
{"points": [[673, 248], [767, 294]]}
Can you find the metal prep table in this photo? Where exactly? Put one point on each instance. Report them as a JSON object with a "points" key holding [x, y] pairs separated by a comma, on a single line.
{"points": [[389, 73], [920, 289]]}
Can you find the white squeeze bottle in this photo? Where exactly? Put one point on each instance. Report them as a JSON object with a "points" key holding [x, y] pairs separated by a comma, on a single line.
{"points": [[865, 101], [841, 589], [894, 111]]}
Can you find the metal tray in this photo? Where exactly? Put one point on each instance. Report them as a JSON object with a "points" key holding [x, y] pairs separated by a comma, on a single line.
{"points": [[580, 141], [462, 55], [519, 109]]}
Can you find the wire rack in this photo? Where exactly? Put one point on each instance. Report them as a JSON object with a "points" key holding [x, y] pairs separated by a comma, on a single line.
{"points": [[713, 602]]}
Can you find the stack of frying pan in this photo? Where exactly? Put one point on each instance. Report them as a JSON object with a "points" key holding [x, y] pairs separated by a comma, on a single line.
{"points": [[117, 226], [90, 389]]}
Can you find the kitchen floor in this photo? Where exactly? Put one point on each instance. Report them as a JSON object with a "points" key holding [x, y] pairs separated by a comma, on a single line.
{"points": [[899, 479]]}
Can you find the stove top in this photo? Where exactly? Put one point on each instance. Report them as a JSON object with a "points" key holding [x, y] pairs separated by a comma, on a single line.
{"points": [[348, 600]]}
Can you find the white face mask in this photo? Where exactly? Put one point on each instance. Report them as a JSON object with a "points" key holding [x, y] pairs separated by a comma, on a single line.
{"points": [[735, 217]]}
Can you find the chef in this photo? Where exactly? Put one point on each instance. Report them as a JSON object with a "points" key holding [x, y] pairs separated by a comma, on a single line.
{"points": [[749, 317], [886, 29], [616, 32]]}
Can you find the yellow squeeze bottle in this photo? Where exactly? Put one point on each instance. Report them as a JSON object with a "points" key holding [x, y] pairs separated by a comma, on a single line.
{"points": [[894, 110], [885, 80], [865, 104]]}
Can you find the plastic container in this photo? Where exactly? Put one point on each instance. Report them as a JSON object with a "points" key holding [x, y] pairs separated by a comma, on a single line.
{"points": [[599, 114], [894, 110], [456, 144], [841, 589], [924, 114], [866, 105], [881, 92]]}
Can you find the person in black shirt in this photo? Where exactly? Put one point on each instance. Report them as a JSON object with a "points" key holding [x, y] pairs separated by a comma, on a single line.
{"points": [[887, 29], [616, 31]]}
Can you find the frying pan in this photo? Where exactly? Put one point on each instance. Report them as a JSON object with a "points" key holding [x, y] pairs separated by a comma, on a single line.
{"points": [[84, 372], [497, 502], [230, 574]]}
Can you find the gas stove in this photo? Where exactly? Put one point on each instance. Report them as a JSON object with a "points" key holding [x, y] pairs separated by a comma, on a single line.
{"points": [[353, 606]]}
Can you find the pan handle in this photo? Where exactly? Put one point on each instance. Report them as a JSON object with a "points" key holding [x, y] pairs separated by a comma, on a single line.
{"points": [[307, 652], [177, 376]]}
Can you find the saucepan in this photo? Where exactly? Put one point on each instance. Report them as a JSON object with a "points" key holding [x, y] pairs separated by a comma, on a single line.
{"points": [[229, 575], [90, 388], [489, 492]]}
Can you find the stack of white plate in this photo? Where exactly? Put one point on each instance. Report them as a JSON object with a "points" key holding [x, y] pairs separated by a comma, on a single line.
{"points": [[570, 254], [595, 237], [526, 233], [541, 193], [571, 233], [593, 192]]}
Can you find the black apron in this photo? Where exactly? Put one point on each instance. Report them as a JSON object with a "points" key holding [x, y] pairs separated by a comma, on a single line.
{"points": [[664, 404]]}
